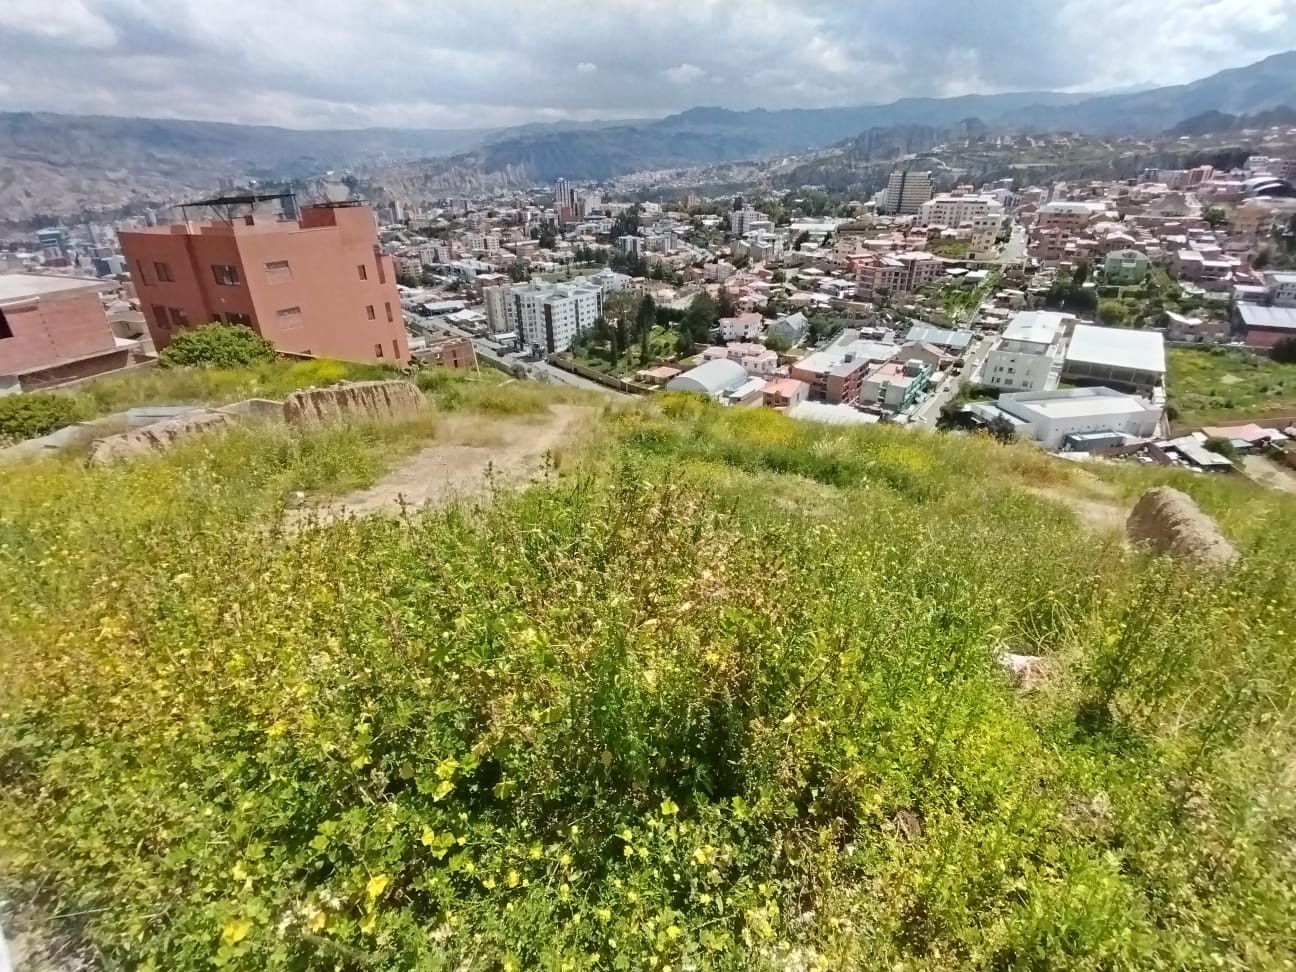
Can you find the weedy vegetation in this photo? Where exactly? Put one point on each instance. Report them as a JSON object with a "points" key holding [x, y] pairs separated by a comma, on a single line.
{"points": [[723, 696]]}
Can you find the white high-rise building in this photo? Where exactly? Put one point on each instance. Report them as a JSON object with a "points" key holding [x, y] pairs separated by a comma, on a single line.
{"points": [[748, 220], [548, 317], [906, 191], [953, 211], [497, 308]]}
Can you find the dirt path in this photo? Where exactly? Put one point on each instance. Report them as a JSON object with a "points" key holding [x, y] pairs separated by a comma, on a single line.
{"points": [[1268, 472], [469, 457], [1095, 503]]}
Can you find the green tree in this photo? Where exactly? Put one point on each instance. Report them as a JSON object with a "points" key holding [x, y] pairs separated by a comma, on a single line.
{"points": [[1002, 430], [216, 346], [1221, 446], [1216, 216], [700, 317], [548, 236], [727, 306], [31, 414], [1263, 257], [1284, 351], [1113, 312], [1080, 275], [778, 344], [407, 278], [803, 237]]}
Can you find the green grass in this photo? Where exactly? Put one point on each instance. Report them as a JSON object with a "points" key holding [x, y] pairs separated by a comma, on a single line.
{"points": [[211, 386], [724, 697], [1207, 387]]}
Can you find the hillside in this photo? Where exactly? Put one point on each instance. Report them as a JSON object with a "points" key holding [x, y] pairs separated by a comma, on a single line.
{"points": [[702, 136], [720, 693], [63, 164]]}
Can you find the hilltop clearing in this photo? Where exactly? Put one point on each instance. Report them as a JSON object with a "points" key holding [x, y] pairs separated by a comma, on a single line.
{"points": [[724, 692]]}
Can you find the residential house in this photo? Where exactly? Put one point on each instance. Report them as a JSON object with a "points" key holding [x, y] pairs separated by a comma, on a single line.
{"points": [[54, 329], [1122, 268], [743, 327], [317, 285], [785, 392], [793, 328], [895, 385]]}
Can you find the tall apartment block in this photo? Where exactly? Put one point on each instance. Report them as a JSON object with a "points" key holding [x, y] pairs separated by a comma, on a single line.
{"points": [[906, 191], [317, 285]]}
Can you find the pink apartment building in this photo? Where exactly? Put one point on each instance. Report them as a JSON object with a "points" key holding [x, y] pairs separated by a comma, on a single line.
{"points": [[317, 285], [54, 329]]}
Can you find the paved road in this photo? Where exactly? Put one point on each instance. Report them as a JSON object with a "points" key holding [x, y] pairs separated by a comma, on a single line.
{"points": [[928, 412], [1014, 250]]}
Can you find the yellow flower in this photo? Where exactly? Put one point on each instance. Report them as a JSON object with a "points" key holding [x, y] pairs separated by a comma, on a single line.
{"points": [[318, 921], [668, 808], [235, 931], [377, 885], [513, 879]]}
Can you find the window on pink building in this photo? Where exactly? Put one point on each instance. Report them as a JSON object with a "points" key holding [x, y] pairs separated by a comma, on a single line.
{"points": [[163, 272], [378, 350], [364, 272], [226, 275], [389, 312], [5, 330], [369, 312]]}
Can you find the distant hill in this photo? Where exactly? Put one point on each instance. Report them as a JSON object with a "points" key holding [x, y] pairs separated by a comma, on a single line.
{"points": [[64, 164], [61, 164], [1220, 122], [702, 136]]}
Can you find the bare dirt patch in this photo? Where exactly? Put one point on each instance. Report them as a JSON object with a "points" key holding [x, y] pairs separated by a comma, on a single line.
{"points": [[471, 456], [1095, 503], [1271, 474]]}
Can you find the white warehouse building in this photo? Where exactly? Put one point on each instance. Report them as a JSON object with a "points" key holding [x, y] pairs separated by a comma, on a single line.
{"points": [[1064, 419]]}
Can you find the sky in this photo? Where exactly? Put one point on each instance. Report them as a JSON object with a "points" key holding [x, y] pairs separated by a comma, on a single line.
{"points": [[491, 63]]}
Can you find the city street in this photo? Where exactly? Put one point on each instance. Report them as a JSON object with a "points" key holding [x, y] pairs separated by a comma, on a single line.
{"points": [[928, 412]]}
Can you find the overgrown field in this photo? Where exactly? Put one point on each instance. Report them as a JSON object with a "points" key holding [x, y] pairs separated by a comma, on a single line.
{"points": [[725, 697], [1218, 385]]}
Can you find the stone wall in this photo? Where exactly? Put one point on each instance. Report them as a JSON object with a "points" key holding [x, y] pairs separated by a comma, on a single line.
{"points": [[361, 399], [158, 437]]}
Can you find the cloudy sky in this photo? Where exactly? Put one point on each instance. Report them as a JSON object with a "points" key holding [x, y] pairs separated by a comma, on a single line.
{"points": [[350, 63]]}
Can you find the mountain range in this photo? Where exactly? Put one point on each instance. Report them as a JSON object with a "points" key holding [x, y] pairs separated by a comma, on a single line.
{"points": [[64, 165]]}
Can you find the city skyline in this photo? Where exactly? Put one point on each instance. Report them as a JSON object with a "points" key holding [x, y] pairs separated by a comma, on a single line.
{"points": [[342, 65]]}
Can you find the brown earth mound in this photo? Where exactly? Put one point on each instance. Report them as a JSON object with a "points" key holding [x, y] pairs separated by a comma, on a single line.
{"points": [[1169, 522]]}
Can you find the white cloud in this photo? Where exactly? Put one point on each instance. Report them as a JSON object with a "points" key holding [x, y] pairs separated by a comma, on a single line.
{"points": [[684, 74], [444, 64]]}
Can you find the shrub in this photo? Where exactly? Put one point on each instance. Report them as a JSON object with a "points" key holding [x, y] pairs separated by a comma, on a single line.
{"points": [[28, 415], [217, 346], [1284, 351]]}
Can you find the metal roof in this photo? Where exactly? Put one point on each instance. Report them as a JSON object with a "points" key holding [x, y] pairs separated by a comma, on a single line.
{"points": [[1272, 318], [1118, 347], [939, 336]]}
